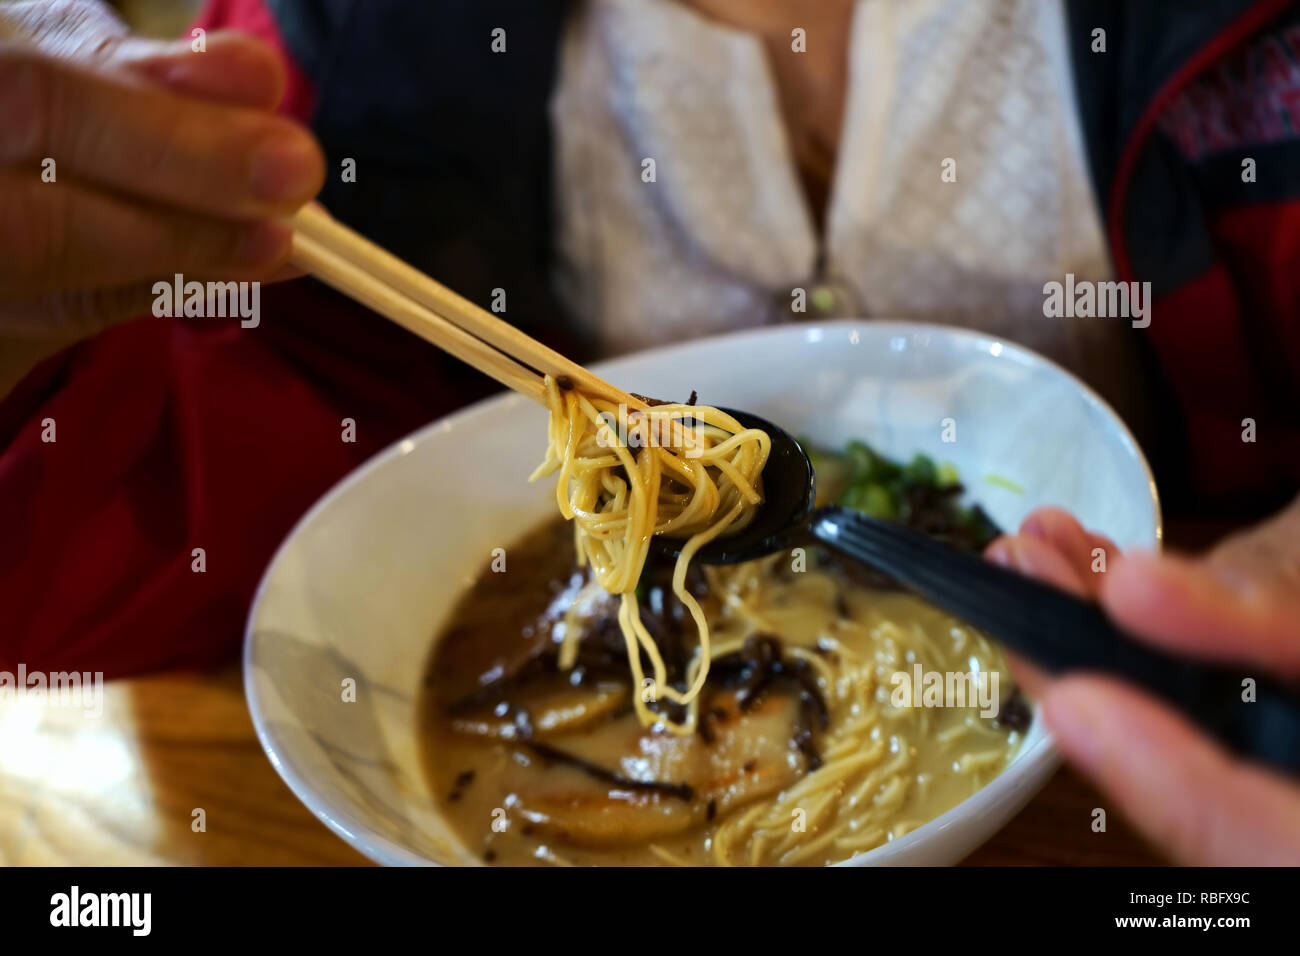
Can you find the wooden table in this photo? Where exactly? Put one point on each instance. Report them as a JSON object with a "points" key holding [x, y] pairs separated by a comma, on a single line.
{"points": [[123, 788]]}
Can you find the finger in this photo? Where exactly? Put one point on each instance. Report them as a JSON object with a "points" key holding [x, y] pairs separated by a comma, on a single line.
{"points": [[64, 317], [233, 68], [226, 161], [1187, 607], [1086, 551], [1037, 559], [67, 236], [1266, 556], [68, 316], [1026, 674], [287, 272], [1184, 793]]}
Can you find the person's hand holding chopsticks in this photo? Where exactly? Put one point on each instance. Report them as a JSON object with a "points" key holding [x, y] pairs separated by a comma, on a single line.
{"points": [[1240, 602], [124, 161]]}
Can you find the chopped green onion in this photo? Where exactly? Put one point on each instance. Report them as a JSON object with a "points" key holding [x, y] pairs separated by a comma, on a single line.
{"points": [[870, 498], [921, 470], [1006, 483]]}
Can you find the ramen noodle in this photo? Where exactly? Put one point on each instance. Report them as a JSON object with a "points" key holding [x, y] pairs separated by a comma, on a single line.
{"points": [[803, 751], [626, 475]]}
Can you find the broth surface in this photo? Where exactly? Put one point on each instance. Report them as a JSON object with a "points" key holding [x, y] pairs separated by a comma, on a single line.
{"points": [[809, 765]]}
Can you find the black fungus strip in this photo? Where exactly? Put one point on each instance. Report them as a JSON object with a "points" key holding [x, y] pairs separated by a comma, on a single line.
{"points": [[760, 665], [463, 780], [810, 692], [537, 667], [803, 734], [555, 755], [763, 652], [659, 401], [1015, 713], [705, 726], [841, 608], [648, 400]]}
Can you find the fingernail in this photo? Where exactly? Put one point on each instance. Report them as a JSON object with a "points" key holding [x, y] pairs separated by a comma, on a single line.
{"points": [[1011, 556], [262, 244], [181, 72], [1034, 528], [997, 553], [285, 166], [152, 58]]}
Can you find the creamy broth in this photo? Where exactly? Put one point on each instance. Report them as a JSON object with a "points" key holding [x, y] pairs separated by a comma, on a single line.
{"points": [[805, 753]]}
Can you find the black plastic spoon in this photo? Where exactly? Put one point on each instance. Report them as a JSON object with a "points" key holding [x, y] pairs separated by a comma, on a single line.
{"points": [[1056, 630]]}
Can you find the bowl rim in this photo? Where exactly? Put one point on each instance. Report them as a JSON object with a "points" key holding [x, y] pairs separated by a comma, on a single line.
{"points": [[1035, 765]]}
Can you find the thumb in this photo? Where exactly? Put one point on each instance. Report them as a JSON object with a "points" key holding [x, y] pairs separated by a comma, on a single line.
{"points": [[1188, 607], [230, 67], [1240, 602], [1182, 791]]}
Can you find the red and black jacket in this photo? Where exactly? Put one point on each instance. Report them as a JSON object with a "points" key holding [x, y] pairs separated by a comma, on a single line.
{"points": [[175, 434], [1185, 95]]}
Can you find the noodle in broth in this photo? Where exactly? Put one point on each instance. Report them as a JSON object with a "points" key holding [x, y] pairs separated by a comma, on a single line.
{"points": [[596, 706], [695, 473], [881, 770]]}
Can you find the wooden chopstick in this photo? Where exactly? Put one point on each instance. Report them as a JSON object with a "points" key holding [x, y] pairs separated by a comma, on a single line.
{"points": [[374, 276], [353, 281]]}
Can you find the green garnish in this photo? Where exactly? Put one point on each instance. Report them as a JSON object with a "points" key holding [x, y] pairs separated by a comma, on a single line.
{"points": [[870, 498], [921, 470], [1006, 483]]}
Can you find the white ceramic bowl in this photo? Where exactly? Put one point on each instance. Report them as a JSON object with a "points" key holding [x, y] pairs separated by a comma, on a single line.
{"points": [[370, 574]]}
